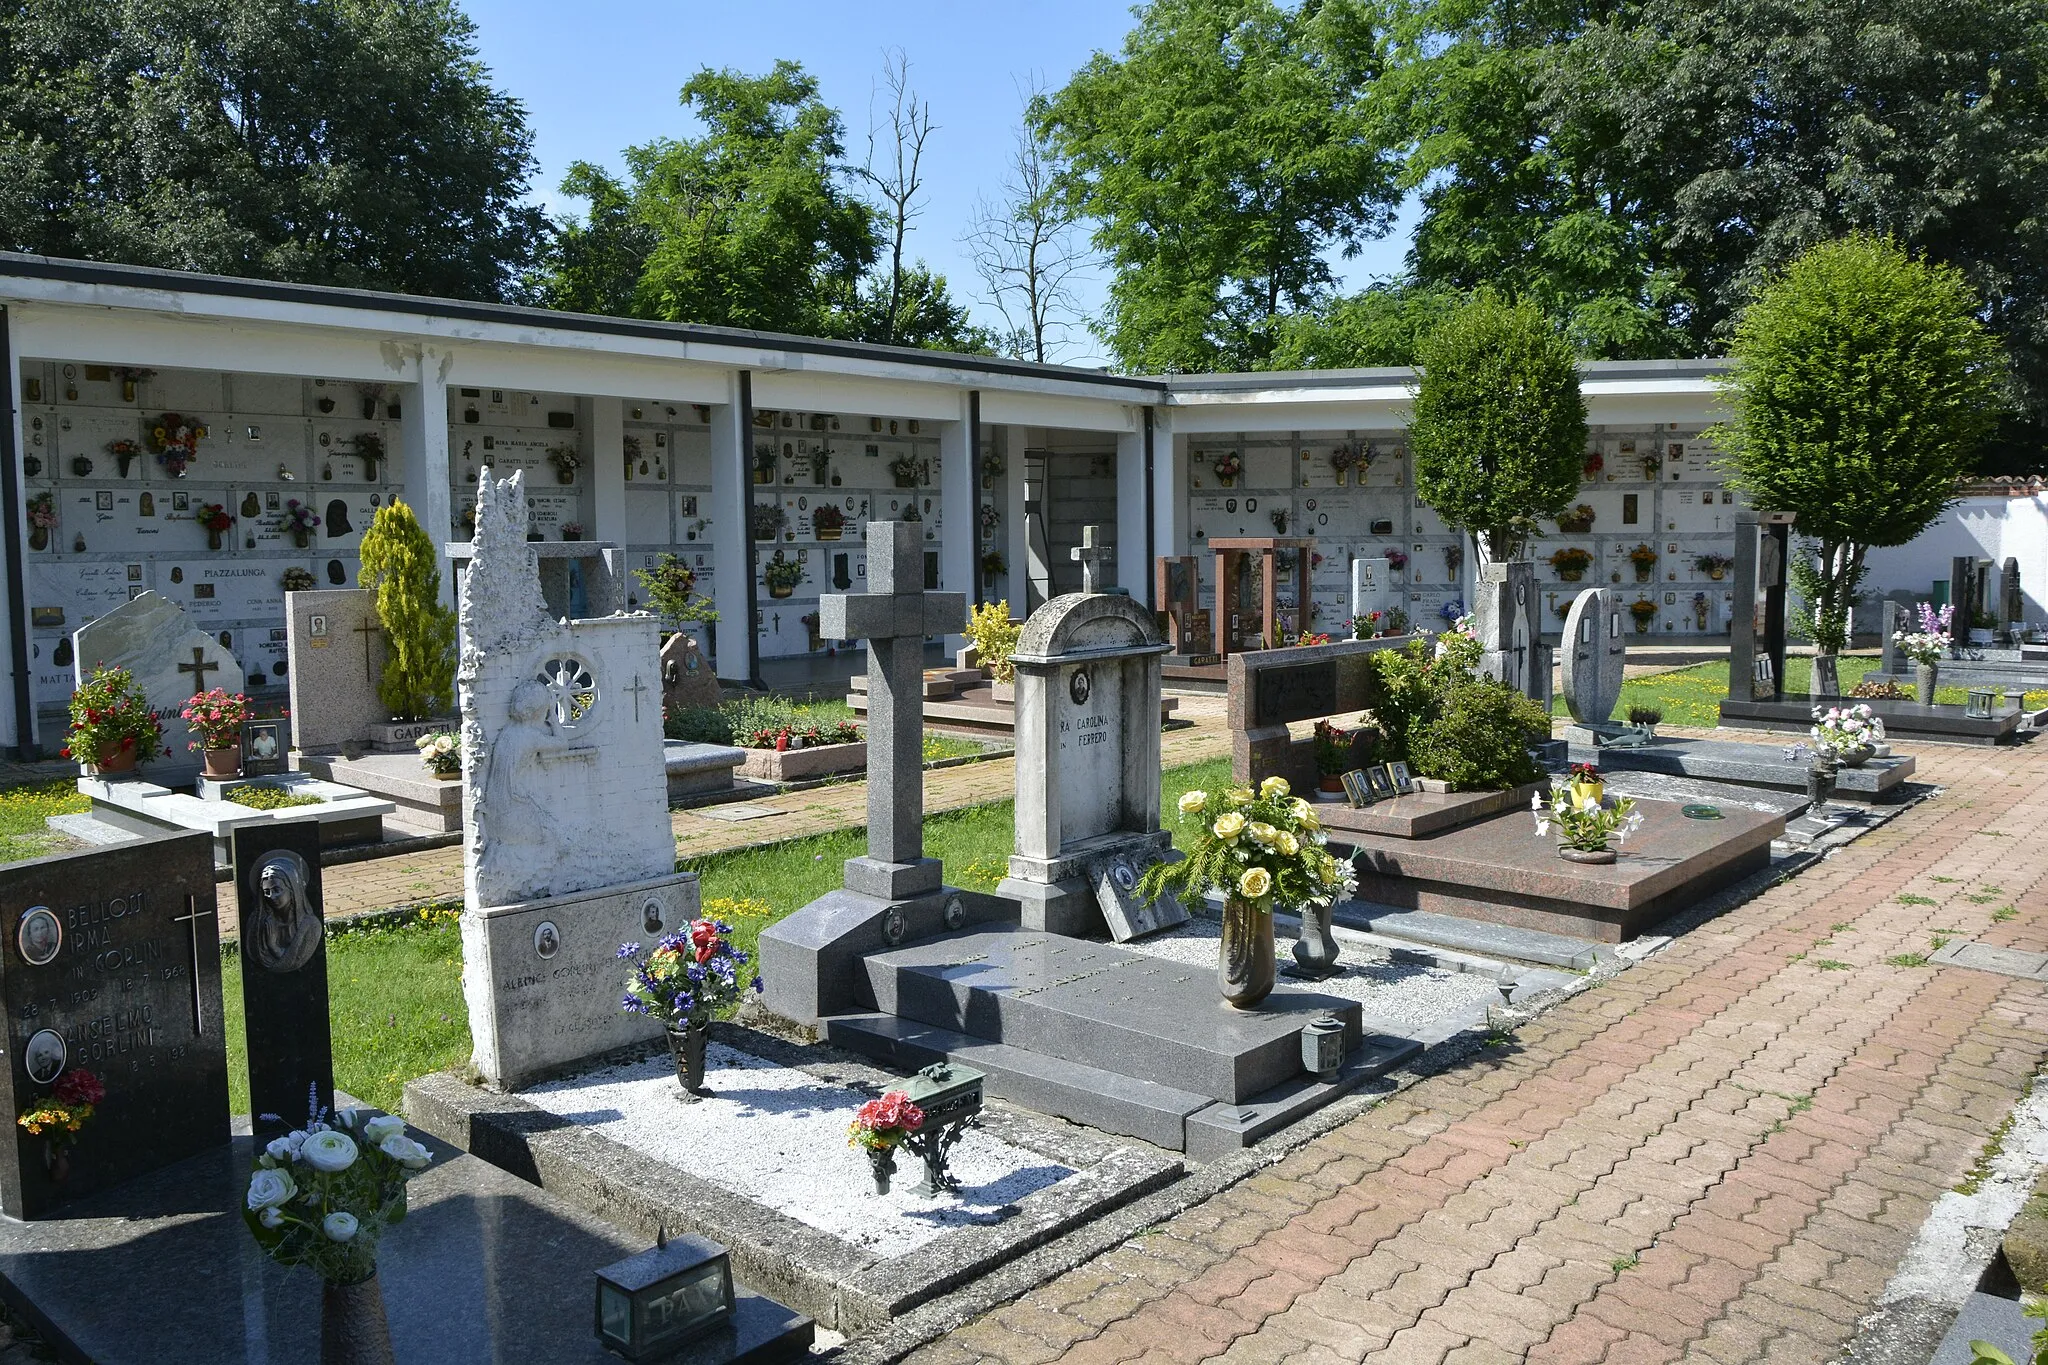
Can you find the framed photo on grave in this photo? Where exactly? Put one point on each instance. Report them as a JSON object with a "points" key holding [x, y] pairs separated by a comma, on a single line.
{"points": [[1357, 789], [110, 968], [1403, 780], [1381, 784], [264, 743]]}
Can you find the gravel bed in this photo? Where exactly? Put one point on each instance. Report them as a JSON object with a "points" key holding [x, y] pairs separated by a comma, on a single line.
{"points": [[777, 1136], [1404, 999]]}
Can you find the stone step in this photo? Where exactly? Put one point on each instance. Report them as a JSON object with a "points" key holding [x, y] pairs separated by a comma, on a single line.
{"points": [[1101, 1006], [1482, 938]]}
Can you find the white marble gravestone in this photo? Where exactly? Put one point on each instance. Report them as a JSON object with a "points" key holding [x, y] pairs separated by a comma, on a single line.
{"points": [[171, 659], [1595, 655], [1372, 586], [567, 848], [1507, 614], [1088, 767]]}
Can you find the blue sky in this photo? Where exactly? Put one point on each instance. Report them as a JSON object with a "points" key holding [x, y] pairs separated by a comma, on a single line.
{"points": [[603, 74]]}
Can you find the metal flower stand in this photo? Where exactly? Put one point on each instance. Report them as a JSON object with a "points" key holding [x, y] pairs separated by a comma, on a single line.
{"points": [[950, 1095]]}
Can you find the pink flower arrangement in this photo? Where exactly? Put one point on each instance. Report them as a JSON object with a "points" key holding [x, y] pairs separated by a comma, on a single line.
{"points": [[1397, 560], [217, 717], [880, 1124]]}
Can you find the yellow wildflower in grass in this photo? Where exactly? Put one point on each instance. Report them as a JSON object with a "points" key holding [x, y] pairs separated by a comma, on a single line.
{"points": [[1256, 883], [1228, 826]]}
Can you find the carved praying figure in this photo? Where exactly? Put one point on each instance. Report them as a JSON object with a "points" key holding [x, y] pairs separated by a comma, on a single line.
{"points": [[516, 844]]}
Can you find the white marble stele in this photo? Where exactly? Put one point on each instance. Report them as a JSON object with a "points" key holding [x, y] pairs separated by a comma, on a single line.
{"points": [[1595, 660], [567, 848], [171, 659], [1087, 761]]}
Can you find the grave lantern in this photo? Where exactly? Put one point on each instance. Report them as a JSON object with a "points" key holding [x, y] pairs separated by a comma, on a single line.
{"points": [[1322, 1046], [1980, 703], [950, 1095], [650, 1304]]}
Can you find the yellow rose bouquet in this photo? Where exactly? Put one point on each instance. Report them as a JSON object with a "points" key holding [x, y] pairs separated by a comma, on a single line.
{"points": [[1263, 847]]}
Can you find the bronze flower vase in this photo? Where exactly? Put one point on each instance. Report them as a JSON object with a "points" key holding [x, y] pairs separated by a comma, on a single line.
{"points": [[686, 1045], [881, 1165], [1315, 952], [1244, 956], [353, 1328]]}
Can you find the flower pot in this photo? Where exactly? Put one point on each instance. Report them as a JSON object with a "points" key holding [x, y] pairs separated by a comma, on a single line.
{"points": [[448, 777], [301, 537], [832, 534], [1331, 783], [223, 762], [565, 476], [1588, 794], [781, 590], [116, 758], [906, 480], [764, 476], [57, 1161], [1645, 572], [353, 1329], [1226, 480], [1643, 624], [1586, 855], [1717, 574], [1856, 757], [1570, 575], [881, 1165], [39, 537], [1923, 682], [686, 1046], [213, 540], [1244, 955], [1315, 952]]}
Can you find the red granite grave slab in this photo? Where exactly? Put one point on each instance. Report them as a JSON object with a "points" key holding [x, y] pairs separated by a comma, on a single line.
{"points": [[1497, 869], [1420, 814]]}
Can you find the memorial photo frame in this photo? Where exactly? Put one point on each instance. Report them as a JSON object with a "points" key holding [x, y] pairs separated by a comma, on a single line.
{"points": [[264, 747], [1382, 785], [1357, 790], [1401, 777], [39, 937]]}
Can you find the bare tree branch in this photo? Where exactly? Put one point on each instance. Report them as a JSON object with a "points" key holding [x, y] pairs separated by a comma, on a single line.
{"points": [[900, 179], [1026, 250]]}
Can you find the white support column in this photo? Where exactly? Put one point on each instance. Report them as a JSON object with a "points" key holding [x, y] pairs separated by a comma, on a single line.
{"points": [[731, 494], [1132, 568], [1010, 441], [604, 453], [960, 500], [1169, 487], [17, 530], [423, 445]]}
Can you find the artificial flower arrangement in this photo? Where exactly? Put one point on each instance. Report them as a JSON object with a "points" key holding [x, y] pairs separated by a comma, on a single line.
{"points": [[990, 519], [217, 717], [904, 470], [994, 565], [1397, 560], [1228, 466], [1312, 637], [299, 518], [686, 977], [214, 519], [1571, 562], [828, 521], [1644, 558], [1595, 462], [70, 1104], [1579, 519], [1845, 729], [370, 449], [441, 752], [1929, 644], [764, 463], [1343, 458], [1644, 611], [42, 513], [572, 530], [782, 575], [1257, 847], [296, 579], [125, 451], [1713, 565], [1333, 753], [567, 460], [322, 1195], [176, 441], [1455, 616], [767, 519], [112, 725], [1585, 826], [1367, 625], [879, 1127]]}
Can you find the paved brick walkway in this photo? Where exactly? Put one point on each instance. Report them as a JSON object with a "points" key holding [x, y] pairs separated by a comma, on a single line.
{"points": [[1719, 1155]]}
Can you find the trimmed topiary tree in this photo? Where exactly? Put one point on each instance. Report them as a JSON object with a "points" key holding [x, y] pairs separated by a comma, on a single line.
{"points": [[419, 630], [1498, 426], [1864, 384]]}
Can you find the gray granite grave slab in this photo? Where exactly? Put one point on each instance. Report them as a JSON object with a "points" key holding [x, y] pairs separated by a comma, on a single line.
{"points": [[1101, 1006], [1748, 765], [336, 650], [694, 769], [1936, 724], [810, 960], [1480, 937], [485, 1266], [422, 800], [1986, 958], [171, 659]]}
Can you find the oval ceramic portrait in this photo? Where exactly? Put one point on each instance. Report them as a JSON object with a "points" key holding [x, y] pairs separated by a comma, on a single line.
{"points": [[44, 1056], [547, 939], [1078, 687], [39, 936]]}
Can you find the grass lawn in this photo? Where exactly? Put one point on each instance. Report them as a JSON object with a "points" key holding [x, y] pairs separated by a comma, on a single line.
{"points": [[395, 994], [1692, 696], [23, 811]]}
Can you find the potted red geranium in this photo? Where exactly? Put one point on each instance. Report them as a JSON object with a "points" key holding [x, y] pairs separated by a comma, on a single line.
{"points": [[878, 1128], [112, 725], [216, 718]]}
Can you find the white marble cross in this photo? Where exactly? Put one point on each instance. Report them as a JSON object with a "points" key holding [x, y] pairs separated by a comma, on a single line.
{"points": [[1094, 554], [894, 616]]}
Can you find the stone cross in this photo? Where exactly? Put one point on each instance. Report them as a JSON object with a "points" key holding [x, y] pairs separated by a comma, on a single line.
{"points": [[366, 630], [190, 919], [636, 689], [198, 668], [1094, 554], [894, 615]]}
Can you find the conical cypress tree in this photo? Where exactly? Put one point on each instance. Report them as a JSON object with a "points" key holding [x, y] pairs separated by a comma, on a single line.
{"points": [[419, 632]]}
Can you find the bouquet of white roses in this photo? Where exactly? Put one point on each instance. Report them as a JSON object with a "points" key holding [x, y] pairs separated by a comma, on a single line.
{"points": [[1844, 729], [1261, 847], [322, 1195]]}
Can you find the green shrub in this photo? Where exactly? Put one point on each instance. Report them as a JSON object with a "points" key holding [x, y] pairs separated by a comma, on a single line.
{"points": [[1479, 739], [399, 565], [1413, 683], [698, 725]]}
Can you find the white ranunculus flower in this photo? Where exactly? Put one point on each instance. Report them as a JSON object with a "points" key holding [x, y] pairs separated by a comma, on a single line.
{"points": [[383, 1126], [339, 1227], [329, 1151], [1190, 802], [269, 1188], [271, 1218], [405, 1151], [1273, 786], [280, 1149]]}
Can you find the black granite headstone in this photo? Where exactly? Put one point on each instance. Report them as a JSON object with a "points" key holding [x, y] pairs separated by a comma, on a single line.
{"points": [[284, 970], [111, 965]]}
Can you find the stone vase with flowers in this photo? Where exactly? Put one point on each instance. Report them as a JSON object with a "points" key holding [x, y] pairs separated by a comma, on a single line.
{"points": [[683, 981], [1257, 849], [58, 1117], [322, 1196], [1851, 733]]}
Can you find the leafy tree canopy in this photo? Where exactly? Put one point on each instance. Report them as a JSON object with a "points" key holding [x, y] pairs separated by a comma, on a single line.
{"points": [[1498, 426], [1381, 325], [1221, 154], [350, 142]]}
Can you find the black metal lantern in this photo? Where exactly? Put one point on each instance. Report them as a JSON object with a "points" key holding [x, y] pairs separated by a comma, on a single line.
{"points": [[1322, 1046], [650, 1304], [950, 1095]]}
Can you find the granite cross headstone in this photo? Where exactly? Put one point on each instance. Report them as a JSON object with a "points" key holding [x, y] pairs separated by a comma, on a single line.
{"points": [[894, 616], [111, 965], [1505, 615], [1094, 554], [1595, 654], [284, 970], [167, 655]]}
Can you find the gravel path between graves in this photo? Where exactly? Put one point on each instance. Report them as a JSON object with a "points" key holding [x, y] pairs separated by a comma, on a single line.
{"points": [[778, 1136]]}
